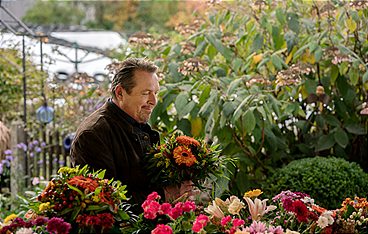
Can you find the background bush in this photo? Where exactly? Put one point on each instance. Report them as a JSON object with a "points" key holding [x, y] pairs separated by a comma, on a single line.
{"points": [[328, 180]]}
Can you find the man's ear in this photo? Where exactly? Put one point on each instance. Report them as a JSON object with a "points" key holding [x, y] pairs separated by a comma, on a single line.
{"points": [[119, 92]]}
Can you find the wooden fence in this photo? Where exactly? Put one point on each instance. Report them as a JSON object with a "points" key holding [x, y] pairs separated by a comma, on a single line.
{"points": [[34, 158]]}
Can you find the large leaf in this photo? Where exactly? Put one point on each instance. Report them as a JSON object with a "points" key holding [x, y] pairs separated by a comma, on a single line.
{"points": [[277, 38], [226, 52], [356, 129], [341, 137], [257, 42], [293, 22], [325, 142], [249, 121], [181, 104]]}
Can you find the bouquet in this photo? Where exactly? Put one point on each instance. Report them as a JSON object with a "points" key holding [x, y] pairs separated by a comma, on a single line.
{"points": [[182, 158], [84, 199]]}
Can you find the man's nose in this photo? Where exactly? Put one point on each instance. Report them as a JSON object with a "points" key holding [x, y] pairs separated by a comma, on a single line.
{"points": [[153, 99]]}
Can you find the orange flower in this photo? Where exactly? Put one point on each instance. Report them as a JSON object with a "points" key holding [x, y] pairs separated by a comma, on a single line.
{"points": [[83, 182], [185, 140], [183, 155]]}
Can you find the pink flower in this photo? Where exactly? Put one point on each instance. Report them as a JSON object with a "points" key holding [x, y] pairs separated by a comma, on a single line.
{"points": [[238, 222], [225, 220], [153, 196], [150, 208], [189, 206], [275, 230], [177, 211], [200, 222], [162, 229], [165, 208], [256, 227]]}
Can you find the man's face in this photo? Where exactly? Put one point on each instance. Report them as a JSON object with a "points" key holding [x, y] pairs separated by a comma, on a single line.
{"points": [[140, 102]]}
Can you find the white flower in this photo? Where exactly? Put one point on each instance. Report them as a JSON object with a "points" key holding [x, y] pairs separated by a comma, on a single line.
{"points": [[24, 231], [214, 210], [291, 232], [235, 205], [322, 222], [325, 219], [258, 208]]}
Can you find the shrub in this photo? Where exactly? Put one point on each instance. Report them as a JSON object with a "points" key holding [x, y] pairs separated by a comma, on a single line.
{"points": [[328, 180]]}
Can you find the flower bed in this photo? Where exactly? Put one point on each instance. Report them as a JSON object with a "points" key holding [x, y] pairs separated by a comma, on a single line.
{"points": [[287, 212]]}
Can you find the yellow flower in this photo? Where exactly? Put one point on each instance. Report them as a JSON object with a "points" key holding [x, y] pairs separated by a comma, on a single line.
{"points": [[44, 206], [95, 198], [253, 193], [10, 218], [67, 170]]}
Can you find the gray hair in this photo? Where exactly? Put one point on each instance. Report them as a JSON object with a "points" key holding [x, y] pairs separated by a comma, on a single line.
{"points": [[125, 75]]}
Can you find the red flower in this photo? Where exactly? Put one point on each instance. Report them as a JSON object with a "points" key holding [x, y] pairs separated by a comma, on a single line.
{"points": [[84, 182], [185, 140], [301, 211]]}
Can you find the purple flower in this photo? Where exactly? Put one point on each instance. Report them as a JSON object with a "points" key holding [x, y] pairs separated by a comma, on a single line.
{"points": [[35, 142], [5, 162], [57, 225], [43, 144], [22, 146], [31, 154], [38, 149], [39, 221], [8, 152], [9, 157]]}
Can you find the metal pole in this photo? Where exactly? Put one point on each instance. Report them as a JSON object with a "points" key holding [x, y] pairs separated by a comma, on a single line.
{"points": [[25, 105], [24, 82], [76, 57]]}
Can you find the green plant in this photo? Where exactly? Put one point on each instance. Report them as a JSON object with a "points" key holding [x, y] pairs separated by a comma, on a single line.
{"points": [[268, 82], [328, 180]]}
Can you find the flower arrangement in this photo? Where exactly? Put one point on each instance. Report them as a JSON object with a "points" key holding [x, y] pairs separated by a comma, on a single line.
{"points": [[182, 158], [37, 225], [289, 212], [84, 199]]}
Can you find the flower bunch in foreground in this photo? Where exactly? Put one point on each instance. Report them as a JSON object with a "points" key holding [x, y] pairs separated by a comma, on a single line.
{"points": [[288, 212], [182, 158], [37, 225], [85, 199]]}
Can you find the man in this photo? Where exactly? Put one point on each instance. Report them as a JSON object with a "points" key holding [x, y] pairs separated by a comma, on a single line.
{"points": [[116, 136]]}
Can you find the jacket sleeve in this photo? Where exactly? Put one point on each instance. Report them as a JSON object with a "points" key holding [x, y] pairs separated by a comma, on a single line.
{"points": [[91, 148]]}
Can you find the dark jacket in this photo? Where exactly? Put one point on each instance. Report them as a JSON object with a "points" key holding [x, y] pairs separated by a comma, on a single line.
{"points": [[110, 139]]}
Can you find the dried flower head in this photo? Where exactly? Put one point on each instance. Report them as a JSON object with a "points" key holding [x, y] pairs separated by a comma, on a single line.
{"points": [[293, 74], [141, 38], [187, 48], [358, 4], [192, 65], [257, 79], [336, 56]]}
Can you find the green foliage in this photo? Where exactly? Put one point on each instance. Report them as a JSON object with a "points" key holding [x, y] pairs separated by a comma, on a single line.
{"points": [[11, 84], [54, 13], [181, 158], [328, 180], [270, 83]]}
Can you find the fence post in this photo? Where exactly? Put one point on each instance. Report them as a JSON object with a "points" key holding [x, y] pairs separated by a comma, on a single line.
{"points": [[17, 168]]}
